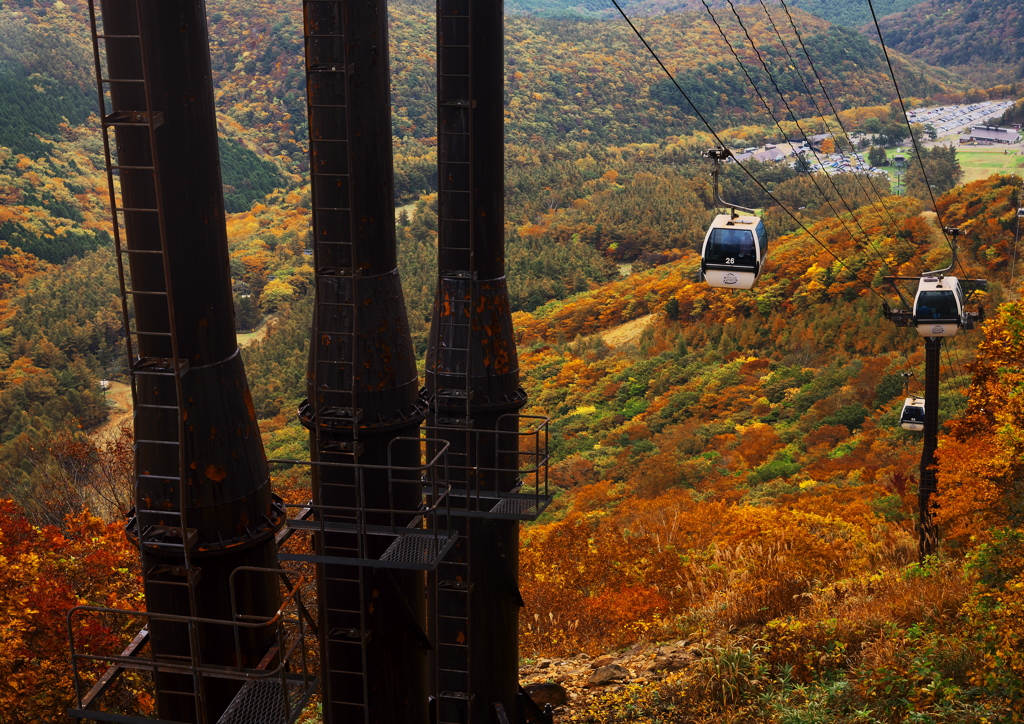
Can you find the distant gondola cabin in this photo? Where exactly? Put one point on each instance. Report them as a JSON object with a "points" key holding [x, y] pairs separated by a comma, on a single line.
{"points": [[912, 416], [938, 306], [734, 251]]}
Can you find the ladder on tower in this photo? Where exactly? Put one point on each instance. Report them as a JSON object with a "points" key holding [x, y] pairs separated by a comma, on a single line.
{"points": [[334, 403], [453, 592], [453, 580], [130, 130]]}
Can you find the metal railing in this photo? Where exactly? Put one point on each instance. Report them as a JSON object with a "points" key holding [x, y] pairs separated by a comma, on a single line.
{"points": [[505, 473], [419, 537], [279, 685]]}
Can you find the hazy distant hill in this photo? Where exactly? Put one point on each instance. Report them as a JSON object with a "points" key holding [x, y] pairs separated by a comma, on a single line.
{"points": [[840, 12], [981, 39]]}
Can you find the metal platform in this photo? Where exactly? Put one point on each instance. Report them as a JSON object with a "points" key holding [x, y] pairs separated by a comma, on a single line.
{"points": [[267, 701], [499, 506], [521, 506], [417, 550]]}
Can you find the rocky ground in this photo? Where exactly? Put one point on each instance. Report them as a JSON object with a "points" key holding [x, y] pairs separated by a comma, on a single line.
{"points": [[567, 684]]}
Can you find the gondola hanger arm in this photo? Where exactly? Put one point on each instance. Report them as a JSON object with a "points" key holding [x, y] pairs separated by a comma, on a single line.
{"points": [[718, 155], [953, 232]]}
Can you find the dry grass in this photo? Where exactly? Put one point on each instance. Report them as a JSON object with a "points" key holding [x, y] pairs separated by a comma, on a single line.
{"points": [[628, 333]]}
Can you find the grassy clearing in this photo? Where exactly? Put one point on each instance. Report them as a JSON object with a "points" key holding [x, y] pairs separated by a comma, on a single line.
{"points": [[627, 333], [977, 162], [980, 163], [245, 338]]}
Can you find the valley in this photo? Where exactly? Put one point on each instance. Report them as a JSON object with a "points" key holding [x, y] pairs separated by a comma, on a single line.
{"points": [[735, 500]]}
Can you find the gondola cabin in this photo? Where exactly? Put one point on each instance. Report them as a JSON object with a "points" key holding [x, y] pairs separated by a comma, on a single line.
{"points": [[734, 252], [912, 416], [938, 306]]}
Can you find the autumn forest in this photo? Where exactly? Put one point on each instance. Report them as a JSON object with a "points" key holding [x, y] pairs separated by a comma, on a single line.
{"points": [[728, 467]]}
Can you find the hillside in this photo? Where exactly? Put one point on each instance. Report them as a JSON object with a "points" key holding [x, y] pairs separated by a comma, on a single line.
{"points": [[583, 193], [569, 78], [47, 86], [577, 80], [982, 40], [838, 12], [732, 480], [736, 488]]}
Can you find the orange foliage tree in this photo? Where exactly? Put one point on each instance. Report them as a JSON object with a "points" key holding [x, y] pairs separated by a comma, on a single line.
{"points": [[981, 461], [44, 571]]}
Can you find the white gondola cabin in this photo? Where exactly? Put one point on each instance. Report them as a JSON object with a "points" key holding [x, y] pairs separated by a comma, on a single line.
{"points": [[938, 307], [734, 252], [912, 416]]}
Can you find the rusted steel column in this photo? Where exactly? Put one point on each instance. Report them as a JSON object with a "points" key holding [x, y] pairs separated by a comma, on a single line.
{"points": [[227, 499], [472, 369], [362, 379], [927, 530]]}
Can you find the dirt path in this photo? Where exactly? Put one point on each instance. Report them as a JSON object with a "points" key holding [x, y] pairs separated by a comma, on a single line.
{"points": [[119, 401], [409, 209]]}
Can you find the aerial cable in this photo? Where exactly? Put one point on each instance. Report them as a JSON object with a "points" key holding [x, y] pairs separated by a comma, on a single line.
{"points": [[960, 366], [822, 115], [835, 112], [722, 144], [778, 125], [957, 375], [821, 84], [913, 140], [741, 65], [796, 121], [957, 367], [902, 337]]}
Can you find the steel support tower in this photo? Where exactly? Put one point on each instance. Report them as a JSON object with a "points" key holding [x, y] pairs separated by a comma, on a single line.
{"points": [[472, 380], [928, 533], [203, 502], [926, 528], [362, 409]]}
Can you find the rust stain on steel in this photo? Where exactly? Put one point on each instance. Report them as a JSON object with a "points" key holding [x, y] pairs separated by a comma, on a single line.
{"points": [[213, 433], [215, 472], [250, 409]]}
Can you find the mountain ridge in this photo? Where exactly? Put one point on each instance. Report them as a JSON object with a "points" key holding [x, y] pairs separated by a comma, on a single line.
{"points": [[983, 40]]}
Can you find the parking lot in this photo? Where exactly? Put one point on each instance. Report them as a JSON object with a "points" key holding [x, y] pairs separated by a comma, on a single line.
{"points": [[950, 120]]}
